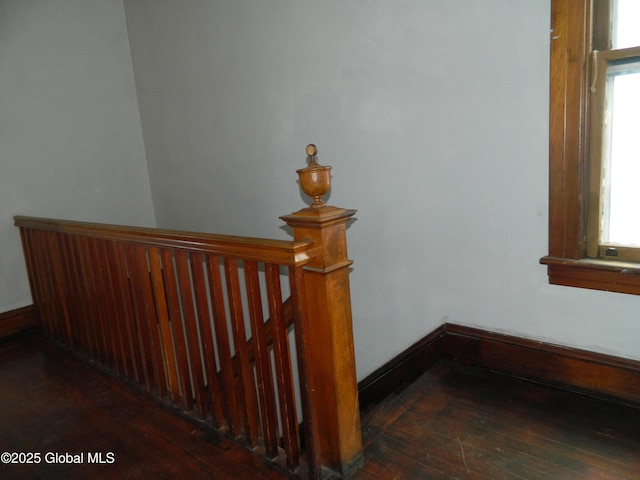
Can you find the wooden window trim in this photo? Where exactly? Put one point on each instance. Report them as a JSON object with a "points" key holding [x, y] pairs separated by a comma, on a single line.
{"points": [[567, 261]]}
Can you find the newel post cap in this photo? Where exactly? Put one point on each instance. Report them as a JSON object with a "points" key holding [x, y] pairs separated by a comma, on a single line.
{"points": [[315, 179]]}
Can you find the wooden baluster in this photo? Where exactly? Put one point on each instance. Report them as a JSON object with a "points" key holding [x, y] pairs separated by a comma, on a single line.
{"points": [[34, 252], [284, 375], [84, 320], [177, 329], [88, 293], [50, 288], [137, 325], [145, 319], [77, 300], [58, 278], [230, 401], [266, 391], [73, 305], [191, 327], [162, 317], [206, 338], [100, 297], [248, 399], [40, 256], [119, 319], [115, 309], [126, 292], [33, 260], [330, 355], [155, 343], [110, 308]]}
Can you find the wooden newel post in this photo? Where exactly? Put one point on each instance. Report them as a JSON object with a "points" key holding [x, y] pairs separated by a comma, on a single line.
{"points": [[333, 390]]}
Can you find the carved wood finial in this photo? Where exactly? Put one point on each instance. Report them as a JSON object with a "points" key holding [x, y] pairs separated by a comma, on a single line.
{"points": [[315, 179], [312, 150]]}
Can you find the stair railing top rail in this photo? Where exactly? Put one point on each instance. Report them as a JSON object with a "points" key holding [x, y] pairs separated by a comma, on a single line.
{"points": [[282, 252]]}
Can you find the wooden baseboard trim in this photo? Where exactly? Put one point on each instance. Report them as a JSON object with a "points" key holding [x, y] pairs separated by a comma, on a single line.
{"points": [[402, 370], [17, 321], [564, 367]]}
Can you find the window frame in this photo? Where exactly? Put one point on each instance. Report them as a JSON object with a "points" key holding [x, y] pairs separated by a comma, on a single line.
{"points": [[596, 247], [572, 37]]}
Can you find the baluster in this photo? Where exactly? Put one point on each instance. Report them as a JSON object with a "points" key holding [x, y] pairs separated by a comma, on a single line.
{"points": [[177, 329], [248, 399], [88, 294], [119, 315], [206, 334], [103, 306], [37, 251], [162, 317], [230, 401], [284, 375], [262, 361], [32, 253], [71, 296], [151, 317], [58, 276], [110, 307], [139, 273], [82, 314], [189, 315], [53, 301], [127, 296]]}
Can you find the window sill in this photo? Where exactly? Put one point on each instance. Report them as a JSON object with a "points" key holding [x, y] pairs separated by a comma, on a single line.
{"points": [[605, 275]]}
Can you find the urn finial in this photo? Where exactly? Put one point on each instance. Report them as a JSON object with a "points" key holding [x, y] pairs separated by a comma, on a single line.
{"points": [[315, 179]]}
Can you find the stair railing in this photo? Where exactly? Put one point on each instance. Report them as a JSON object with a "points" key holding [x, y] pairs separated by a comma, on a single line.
{"points": [[215, 325]]}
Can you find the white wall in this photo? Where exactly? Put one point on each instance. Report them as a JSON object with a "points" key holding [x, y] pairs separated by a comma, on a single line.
{"points": [[70, 138], [434, 115]]}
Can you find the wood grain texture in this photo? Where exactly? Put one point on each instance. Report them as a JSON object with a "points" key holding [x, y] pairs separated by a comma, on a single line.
{"points": [[283, 252], [327, 326], [571, 368], [455, 421], [80, 410], [569, 191], [588, 372], [461, 422], [182, 316]]}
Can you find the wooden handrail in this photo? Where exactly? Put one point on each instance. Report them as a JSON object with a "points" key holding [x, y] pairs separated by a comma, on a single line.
{"points": [[282, 252]]}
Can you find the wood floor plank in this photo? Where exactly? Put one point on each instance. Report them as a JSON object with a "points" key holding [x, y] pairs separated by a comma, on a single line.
{"points": [[455, 422], [577, 431], [471, 423], [50, 403]]}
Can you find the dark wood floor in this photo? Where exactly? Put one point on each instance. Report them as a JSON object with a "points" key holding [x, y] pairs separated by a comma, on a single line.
{"points": [[455, 422], [460, 422], [51, 403]]}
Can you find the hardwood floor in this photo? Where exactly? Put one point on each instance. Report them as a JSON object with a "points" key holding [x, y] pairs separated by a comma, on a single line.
{"points": [[460, 422], [51, 403], [455, 422]]}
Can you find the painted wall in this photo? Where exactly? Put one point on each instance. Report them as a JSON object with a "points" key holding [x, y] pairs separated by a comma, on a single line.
{"points": [[434, 115], [70, 138]]}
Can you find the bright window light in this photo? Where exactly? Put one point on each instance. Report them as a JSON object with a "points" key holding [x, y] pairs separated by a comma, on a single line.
{"points": [[621, 205], [626, 20]]}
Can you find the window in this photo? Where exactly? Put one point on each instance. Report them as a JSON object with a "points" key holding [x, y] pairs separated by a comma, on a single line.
{"points": [[594, 224]]}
